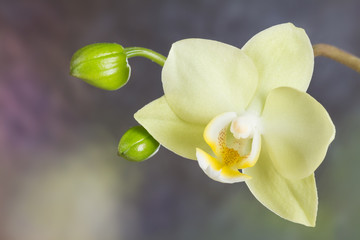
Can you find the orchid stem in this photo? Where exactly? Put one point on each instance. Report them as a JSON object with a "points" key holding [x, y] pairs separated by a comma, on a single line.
{"points": [[147, 53], [320, 49], [338, 55]]}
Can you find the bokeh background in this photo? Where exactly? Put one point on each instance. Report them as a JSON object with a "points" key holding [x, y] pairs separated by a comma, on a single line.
{"points": [[60, 177]]}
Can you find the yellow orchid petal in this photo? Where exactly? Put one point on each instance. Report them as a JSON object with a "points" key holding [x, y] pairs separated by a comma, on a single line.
{"points": [[253, 157], [170, 131], [234, 174], [215, 131], [204, 78], [295, 200], [297, 130], [217, 171], [232, 152], [207, 161], [283, 56]]}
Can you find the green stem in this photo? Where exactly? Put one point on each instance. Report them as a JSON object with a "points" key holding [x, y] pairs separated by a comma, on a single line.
{"points": [[338, 55], [147, 53]]}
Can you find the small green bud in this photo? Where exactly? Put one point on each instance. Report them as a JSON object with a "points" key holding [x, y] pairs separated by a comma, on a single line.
{"points": [[103, 65], [137, 145]]}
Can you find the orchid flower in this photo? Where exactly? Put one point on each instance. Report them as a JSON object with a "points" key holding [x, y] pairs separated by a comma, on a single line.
{"points": [[244, 115]]}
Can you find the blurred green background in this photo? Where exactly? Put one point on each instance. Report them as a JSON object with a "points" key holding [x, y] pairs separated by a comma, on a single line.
{"points": [[60, 177]]}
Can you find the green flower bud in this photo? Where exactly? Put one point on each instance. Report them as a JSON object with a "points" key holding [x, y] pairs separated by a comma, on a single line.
{"points": [[137, 145], [103, 65]]}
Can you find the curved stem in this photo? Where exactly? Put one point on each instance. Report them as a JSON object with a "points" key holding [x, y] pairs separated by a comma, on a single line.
{"points": [[147, 53], [338, 55]]}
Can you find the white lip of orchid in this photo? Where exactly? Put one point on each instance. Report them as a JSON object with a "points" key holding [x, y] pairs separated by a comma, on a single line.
{"points": [[235, 141]]}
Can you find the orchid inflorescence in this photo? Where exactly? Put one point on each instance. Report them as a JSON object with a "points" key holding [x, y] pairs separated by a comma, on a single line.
{"points": [[243, 114]]}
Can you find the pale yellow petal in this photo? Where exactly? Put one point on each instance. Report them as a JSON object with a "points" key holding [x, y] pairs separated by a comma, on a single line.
{"points": [[297, 130], [294, 200], [283, 56], [204, 78]]}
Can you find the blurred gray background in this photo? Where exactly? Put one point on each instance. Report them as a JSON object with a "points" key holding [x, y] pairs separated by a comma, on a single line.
{"points": [[60, 177]]}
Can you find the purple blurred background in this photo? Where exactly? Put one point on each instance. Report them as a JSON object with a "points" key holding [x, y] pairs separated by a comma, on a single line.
{"points": [[60, 177]]}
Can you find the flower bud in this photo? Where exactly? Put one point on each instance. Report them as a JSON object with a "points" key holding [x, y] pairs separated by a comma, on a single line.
{"points": [[103, 65], [137, 145]]}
